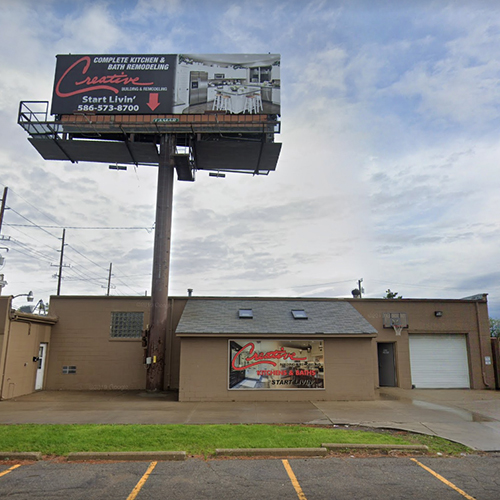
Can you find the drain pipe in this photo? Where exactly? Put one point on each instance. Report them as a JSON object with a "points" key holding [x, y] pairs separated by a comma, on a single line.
{"points": [[480, 344]]}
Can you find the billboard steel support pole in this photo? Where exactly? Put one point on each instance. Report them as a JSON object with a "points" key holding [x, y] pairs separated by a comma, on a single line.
{"points": [[157, 335]]}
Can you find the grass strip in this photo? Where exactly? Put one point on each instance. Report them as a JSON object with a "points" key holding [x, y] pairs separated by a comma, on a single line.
{"points": [[194, 439]]}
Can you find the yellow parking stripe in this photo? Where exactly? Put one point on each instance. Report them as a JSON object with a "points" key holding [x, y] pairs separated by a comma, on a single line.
{"points": [[9, 470], [141, 482], [445, 481], [295, 483]]}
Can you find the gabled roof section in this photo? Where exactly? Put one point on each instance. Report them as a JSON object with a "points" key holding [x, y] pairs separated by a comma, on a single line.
{"points": [[221, 316]]}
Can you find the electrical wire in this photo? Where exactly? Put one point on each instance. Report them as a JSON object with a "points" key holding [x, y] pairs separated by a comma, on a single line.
{"points": [[29, 252], [148, 229], [33, 223]]}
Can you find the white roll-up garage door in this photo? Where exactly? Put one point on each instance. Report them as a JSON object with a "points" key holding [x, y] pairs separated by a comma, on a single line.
{"points": [[439, 361]]}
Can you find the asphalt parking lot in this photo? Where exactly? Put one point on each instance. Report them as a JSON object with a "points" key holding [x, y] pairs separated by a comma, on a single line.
{"points": [[475, 477]]}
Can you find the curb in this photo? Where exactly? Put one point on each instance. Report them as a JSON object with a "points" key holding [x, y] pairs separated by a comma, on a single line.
{"points": [[28, 455], [219, 452], [351, 446], [271, 452], [129, 456]]}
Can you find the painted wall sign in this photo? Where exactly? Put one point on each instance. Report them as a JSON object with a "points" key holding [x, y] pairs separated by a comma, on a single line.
{"points": [[167, 84], [276, 364]]}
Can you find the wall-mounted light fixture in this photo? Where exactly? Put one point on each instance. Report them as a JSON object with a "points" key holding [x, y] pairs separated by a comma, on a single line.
{"points": [[438, 314], [29, 296]]}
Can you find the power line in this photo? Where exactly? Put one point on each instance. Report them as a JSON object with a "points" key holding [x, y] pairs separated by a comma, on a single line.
{"points": [[85, 257], [34, 224], [31, 205], [148, 229], [281, 287], [47, 258], [33, 238], [44, 227], [408, 284], [35, 253]]}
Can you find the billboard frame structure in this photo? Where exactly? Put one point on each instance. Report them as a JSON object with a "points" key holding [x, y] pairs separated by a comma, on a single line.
{"points": [[236, 137]]}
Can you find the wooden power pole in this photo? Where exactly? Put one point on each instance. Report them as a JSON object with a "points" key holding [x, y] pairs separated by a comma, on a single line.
{"points": [[109, 277], [2, 207], [59, 276]]}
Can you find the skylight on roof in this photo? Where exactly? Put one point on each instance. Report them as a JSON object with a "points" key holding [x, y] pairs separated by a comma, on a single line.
{"points": [[299, 314], [245, 313]]}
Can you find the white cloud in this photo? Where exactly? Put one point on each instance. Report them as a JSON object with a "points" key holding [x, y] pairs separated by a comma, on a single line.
{"points": [[463, 85], [388, 169]]}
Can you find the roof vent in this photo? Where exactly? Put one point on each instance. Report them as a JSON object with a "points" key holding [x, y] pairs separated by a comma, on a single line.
{"points": [[299, 314], [245, 313]]}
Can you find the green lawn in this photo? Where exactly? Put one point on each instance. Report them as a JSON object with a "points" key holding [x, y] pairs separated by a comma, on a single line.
{"points": [[195, 439]]}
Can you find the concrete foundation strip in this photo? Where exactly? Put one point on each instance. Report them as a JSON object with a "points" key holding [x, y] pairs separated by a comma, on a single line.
{"points": [[28, 455], [128, 455], [271, 452], [381, 447], [314, 452], [220, 452]]}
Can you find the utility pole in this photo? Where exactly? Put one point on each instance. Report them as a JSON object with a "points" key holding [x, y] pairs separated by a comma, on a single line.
{"points": [[360, 288], [157, 331], [109, 277], [2, 208], [59, 276]]}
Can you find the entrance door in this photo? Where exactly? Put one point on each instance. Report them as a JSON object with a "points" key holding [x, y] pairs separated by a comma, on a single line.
{"points": [[42, 352], [386, 365]]}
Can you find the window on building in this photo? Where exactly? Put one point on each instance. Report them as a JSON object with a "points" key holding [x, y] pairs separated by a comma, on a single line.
{"points": [[127, 325], [246, 313], [299, 314], [67, 370]]}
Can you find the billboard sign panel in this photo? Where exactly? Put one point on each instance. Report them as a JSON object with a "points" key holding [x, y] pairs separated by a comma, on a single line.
{"points": [[167, 84], [276, 364]]}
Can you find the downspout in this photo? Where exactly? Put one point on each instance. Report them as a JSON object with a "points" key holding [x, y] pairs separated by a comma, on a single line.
{"points": [[480, 344]]}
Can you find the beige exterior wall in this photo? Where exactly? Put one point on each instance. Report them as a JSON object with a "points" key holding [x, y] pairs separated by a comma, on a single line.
{"points": [[459, 317], [82, 338], [4, 327], [174, 343], [21, 337], [205, 370]]}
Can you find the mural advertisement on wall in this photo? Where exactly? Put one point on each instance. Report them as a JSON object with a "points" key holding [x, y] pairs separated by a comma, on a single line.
{"points": [[167, 84], [276, 364]]}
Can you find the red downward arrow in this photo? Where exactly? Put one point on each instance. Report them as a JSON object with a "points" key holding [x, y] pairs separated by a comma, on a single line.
{"points": [[153, 101]]}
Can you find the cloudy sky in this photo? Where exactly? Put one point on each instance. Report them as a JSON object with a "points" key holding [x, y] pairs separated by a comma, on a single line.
{"points": [[389, 168]]}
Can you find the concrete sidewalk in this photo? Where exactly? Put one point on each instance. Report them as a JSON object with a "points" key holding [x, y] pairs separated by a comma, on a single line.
{"points": [[465, 416]]}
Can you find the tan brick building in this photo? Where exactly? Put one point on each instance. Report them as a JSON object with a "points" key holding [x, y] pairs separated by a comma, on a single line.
{"points": [[250, 349]]}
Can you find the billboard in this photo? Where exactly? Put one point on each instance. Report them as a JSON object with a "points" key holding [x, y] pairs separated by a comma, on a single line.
{"points": [[167, 84], [276, 364]]}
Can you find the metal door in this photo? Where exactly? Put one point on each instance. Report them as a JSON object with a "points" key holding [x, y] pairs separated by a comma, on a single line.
{"points": [[386, 365], [42, 352], [439, 361]]}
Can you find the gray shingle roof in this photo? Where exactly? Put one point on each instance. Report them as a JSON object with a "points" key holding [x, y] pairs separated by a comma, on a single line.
{"points": [[272, 316]]}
